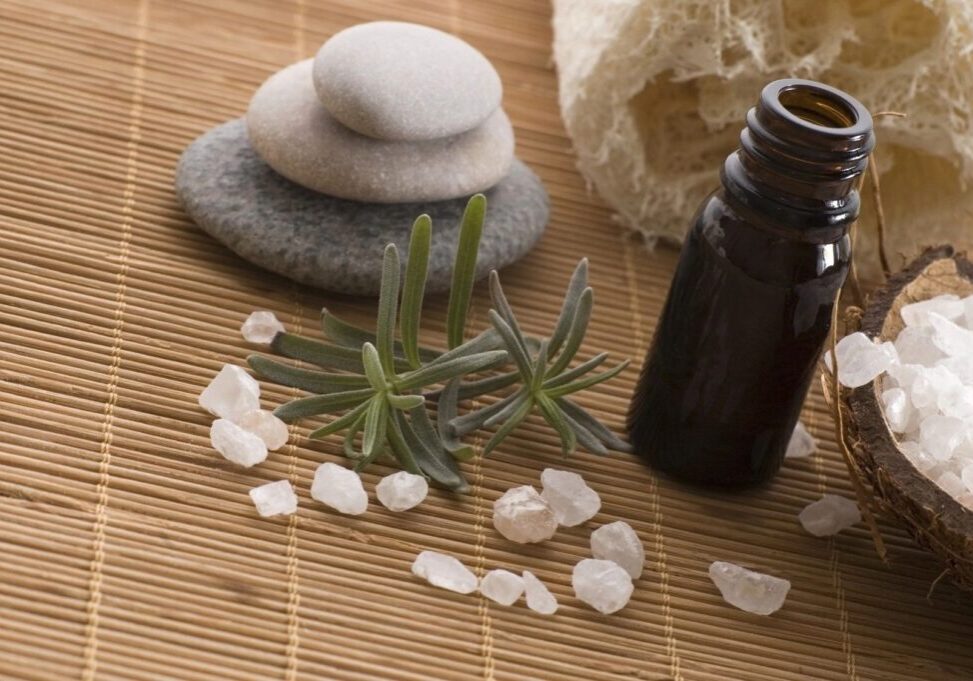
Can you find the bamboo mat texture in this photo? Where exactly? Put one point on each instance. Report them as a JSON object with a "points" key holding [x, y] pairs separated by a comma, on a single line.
{"points": [[130, 550]]}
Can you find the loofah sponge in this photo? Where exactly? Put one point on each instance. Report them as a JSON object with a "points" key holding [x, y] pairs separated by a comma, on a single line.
{"points": [[654, 93]]}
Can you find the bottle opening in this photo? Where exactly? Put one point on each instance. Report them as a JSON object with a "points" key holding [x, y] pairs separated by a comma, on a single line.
{"points": [[817, 106]]}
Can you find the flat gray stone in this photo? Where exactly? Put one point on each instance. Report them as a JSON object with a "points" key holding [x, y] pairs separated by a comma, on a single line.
{"points": [[333, 243], [297, 137], [399, 81]]}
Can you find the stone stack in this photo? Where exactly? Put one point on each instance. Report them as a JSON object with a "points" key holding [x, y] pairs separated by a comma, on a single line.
{"points": [[338, 154]]}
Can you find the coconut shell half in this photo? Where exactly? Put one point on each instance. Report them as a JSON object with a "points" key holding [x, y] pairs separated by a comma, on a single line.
{"points": [[935, 519]]}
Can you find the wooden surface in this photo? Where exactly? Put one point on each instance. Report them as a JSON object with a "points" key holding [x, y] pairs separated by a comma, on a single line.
{"points": [[129, 550]]}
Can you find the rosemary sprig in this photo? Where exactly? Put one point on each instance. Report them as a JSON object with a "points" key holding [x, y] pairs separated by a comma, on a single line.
{"points": [[378, 388]]}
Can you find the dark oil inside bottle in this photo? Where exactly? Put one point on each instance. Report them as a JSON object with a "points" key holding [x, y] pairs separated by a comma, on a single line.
{"points": [[750, 304]]}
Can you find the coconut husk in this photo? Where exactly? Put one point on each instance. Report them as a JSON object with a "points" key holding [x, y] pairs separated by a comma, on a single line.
{"points": [[935, 519]]}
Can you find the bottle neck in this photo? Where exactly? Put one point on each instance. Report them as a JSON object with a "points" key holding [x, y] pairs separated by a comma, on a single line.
{"points": [[801, 160]]}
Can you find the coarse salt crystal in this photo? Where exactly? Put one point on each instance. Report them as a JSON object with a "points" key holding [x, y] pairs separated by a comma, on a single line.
{"points": [[340, 488], [941, 435], [261, 327], [860, 359], [266, 426], [231, 394], [619, 543], [445, 572], [539, 597], [829, 515], [401, 491], [802, 444], [602, 584], [750, 591], [502, 586], [568, 494], [524, 516], [917, 314], [274, 498], [236, 444]]}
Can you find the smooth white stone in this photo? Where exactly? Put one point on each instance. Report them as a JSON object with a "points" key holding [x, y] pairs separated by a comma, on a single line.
{"points": [[231, 394], [236, 444], [296, 136], [502, 586], [539, 597], [750, 591], [399, 81], [266, 426], [340, 488], [952, 339], [899, 412], [524, 516], [860, 360], [919, 457], [274, 498], [941, 435], [444, 572], [914, 345], [602, 584], [829, 515], [802, 444], [401, 491], [946, 305], [569, 495], [261, 327], [619, 543], [952, 484]]}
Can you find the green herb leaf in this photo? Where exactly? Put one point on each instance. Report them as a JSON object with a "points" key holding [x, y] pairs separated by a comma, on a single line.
{"points": [[586, 438], [406, 402], [514, 348], [315, 352], [415, 286], [430, 455], [580, 370], [587, 382], [467, 423], [303, 379], [322, 404], [442, 371], [510, 409], [576, 335], [502, 306], [342, 422], [373, 367], [464, 269], [553, 415], [508, 427], [350, 336], [349, 444], [447, 409], [540, 368], [569, 308], [376, 423], [388, 300], [593, 425], [403, 452]]}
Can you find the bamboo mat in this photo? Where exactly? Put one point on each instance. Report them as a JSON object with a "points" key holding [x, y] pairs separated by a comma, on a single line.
{"points": [[129, 550]]}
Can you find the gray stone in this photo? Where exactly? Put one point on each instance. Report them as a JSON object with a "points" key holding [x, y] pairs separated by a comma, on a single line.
{"points": [[332, 243], [401, 81], [297, 137]]}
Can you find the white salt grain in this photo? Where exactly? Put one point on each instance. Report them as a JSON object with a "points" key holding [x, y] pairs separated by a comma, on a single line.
{"points": [[899, 412], [919, 457], [502, 586], [946, 305], [941, 435], [802, 444], [340, 488], [619, 543], [266, 426], [860, 360], [232, 393], [539, 597], [236, 444], [274, 498], [602, 584], [524, 516], [444, 572], [952, 484], [952, 339], [750, 591], [914, 345], [261, 327], [401, 491], [829, 515], [568, 494]]}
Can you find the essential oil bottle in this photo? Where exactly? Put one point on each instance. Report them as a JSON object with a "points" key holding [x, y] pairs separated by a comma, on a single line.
{"points": [[751, 300]]}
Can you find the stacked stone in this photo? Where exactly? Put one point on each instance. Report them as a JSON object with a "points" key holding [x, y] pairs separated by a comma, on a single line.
{"points": [[388, 121]]}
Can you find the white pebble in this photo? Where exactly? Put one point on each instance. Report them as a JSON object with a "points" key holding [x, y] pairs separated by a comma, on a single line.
{"points": [[266, 426], [524, 516], [829, 515], [502, 586], [602, 584], [444, 572], [274, 498], [340, 488], [568, 494], [539, 597], [261, 327], [231, 394], [236, 444], [619, 543], [802, 444], [401, 491], [750, 591]]}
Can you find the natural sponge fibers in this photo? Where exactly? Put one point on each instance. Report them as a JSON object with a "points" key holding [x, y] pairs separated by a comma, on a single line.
{"points": [[654, 93]]}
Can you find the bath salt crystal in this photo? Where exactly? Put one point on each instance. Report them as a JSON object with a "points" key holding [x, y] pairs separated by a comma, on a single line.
{"points": [[931, 385], [949, 337], [899, 412], [829, 515], [961, 367], [401, 491], [502, 586], [952, 484], [919, 457], [340, 488], [619, 543], [539, 597], [274, 498], [802, 444], [445, 572], [570, 497], [266, 426], [914, 346], [941, 435], [902, 375], [524, 516], [236, 444], [261, 327], [947, 305], [602, 584], [957, 403], [747, 590], [231, 394], [968, 312], [966, 476], [860, 360]]}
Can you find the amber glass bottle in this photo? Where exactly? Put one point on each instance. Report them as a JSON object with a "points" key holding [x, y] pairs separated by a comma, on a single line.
{"points": [[750, 304]]}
